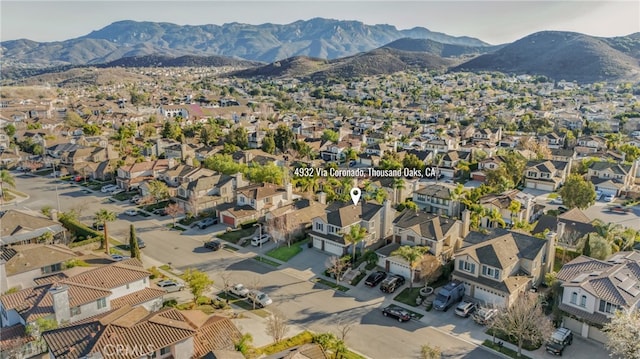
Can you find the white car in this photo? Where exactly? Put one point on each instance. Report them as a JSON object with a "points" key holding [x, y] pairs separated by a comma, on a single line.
{"points": [[108, 188], [557, 200], [258, 240], [608, 198], [119, 257], [239, 290], [131, 212], [259, 298], [170, 285]]}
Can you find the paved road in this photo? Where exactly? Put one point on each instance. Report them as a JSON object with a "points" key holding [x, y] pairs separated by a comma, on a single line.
{"points": [[306, 304]]}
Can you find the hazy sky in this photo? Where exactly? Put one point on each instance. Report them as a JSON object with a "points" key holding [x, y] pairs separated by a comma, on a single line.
{"points": [[491, 21]]}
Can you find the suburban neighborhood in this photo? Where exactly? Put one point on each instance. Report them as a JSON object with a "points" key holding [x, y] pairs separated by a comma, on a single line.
{"points": [[174, 212]]}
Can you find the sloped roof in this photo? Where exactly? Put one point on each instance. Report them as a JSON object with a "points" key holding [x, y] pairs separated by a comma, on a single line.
{"points": [[34, 256], [425, 224], [344, 214], [503, 248]]}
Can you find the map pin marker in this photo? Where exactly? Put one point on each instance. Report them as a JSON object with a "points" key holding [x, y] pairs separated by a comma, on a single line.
{"points": [[355, 195]]}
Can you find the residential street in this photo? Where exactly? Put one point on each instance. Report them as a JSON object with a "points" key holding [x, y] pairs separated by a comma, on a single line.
{"points": [[306, 304]]}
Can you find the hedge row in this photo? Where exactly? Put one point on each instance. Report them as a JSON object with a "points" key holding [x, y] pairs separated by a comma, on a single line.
{"points": [[78, 229], [85, 242]]}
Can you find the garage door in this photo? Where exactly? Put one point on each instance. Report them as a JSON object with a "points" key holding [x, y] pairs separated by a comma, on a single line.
{"points": [[573, 325], [607, 191], [488, 297], [598, 335], [229, 220], [333, 248], [400, 269]]}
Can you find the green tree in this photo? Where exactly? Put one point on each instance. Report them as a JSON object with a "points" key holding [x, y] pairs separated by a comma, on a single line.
{"points": [[269, 144], [600, 248], [171, 130], [514, 208], [133, 242], [72, 119], [104, 216], [494, 216], [355, 235], [239, 137], [283, 138], [243, 345], [586, 250], [10, 130], [223, 163], [330, 135], [6, 179], [428, 352], [91, 130], [631, 152], [198, 282], [577, 192], [412, 161], [158, 190], [398, 184], [413, 255]]}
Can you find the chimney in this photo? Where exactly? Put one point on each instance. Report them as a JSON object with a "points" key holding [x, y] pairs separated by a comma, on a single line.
{"points": [[322, 197], [560, 230], [466, 223], [53, 214], [60, 299], [551, 251], [171, 163], [289, 194], [387, 219]]}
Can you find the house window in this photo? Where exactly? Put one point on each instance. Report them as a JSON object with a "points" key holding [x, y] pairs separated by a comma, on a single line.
{"points": [[51, 269], [411, 239], [144, 280], [165, 351], [467, 267], [606, 307], [421, 198], [102, 303], [319, 226], [574, 298], [583, 301], [241, 199], [75, 311], [490, 272]]}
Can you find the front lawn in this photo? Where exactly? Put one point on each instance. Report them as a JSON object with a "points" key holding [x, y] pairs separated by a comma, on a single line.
{"points": [[234, 236], [408, 296], [506, 351], [358, 278], [244, 304], [154, 206], [285, 253], [125, 196], [508, 338]]}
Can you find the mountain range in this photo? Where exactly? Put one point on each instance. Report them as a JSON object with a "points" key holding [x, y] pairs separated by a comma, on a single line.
{"points": [[324, 48]]}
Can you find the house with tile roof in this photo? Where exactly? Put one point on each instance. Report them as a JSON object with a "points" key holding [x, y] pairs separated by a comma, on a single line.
{"points": [[21, 265], [253, 202], [134, 332], [592, 291], [546, 175], [502, 203], [83, 295], [437, 199], [496, 267], [23, 227], [611, 178], [132, 176]]}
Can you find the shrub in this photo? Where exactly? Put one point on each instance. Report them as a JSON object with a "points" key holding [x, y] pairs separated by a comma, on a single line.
{"points": [[78, 229], [302, 338], [248, 224], [85, 242], [171, 303], [220, 304], [155, 273], [203, 301]]}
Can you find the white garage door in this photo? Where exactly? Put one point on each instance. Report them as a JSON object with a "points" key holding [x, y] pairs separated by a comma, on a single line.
{"points": [[333, 248], [598, 335], [545, 187], [317, 243], [572, 324], [400, 269], [607, 191], [488, 297]]}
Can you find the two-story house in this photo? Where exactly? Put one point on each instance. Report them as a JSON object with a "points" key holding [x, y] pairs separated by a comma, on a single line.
{"points": [[135, 332], [438, 199], [252, 202], [592, 290], [552, 140], [510, 212], [205, 193], [488, 164], [571, 227], [132, 176], [327, 230], [546, 175], [21, 265], [611, 178], [495, 268], [448, 164], [487, 136]]}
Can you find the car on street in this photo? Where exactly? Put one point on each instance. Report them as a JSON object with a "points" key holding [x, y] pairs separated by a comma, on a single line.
{"points": [[108, 188], [559, 340], [239, 290], [131, 212], [213, 244], [259, 298], [119, 257], [170, 285], [485, 315], [375, 278], [207, 222], [135, 199], [141, 243], [465, 309], [397, 313], [392, 283], [98, 226], [562, 209], [262, 239], [620, 209], [79, 178]]}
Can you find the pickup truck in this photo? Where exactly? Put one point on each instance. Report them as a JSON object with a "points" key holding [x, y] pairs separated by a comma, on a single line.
{"points": [[559, 340], [239, 290]]}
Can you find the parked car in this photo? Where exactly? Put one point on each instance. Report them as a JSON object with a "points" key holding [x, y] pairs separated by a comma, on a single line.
{"points": [[131, 212], [108, 188], [98, 226], [207, 222], [448, 295], [258, 240], [170, 285], [484, 315], [391, 283], [608, 198], [239, 290], [78, 178], [398, 313], [160, 212], [259, 298], [464, 309], [375, 278], [135, 199], [119, 257], [620, 209], [559, 340], [214, 245], [141, 243], [557, 200], [562, 209]]}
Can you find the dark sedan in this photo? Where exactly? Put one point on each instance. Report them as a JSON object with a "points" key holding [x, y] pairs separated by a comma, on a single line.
{"points": [[397, 313], [375, 278], [213, 245]]}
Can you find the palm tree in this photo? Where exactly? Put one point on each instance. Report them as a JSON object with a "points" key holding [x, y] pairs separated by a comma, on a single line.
{"points": [[356, 235], [398, 184], [464, 167], [6, 178], [514, 208], [609, 231], [412, 255], [494, 216], [102, 217]]}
